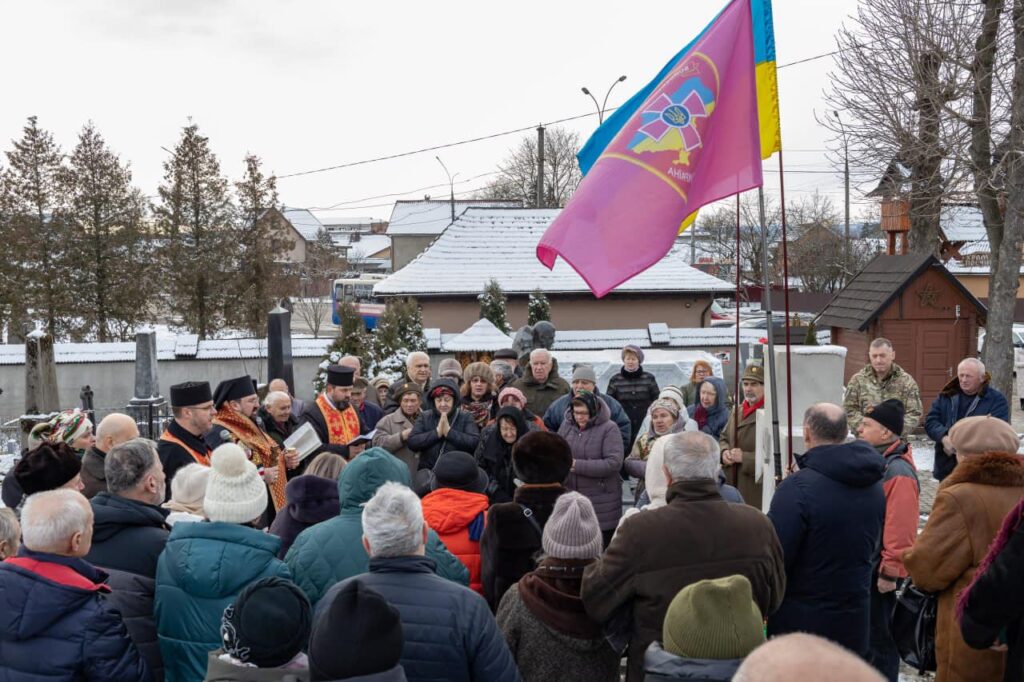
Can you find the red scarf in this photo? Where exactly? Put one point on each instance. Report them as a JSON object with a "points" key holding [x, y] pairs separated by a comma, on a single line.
{"points": [[700, 415], [749, 409]]}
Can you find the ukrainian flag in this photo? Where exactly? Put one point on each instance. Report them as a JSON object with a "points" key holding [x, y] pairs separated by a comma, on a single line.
{"points": [[767, 82], [767, 92]]}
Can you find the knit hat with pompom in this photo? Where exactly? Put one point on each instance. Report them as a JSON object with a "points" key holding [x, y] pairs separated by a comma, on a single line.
{"points": [[235, 492]]}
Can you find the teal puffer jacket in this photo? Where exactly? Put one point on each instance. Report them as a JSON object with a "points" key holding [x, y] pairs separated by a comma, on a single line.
{"points": [[332, 550], [200, 572]]}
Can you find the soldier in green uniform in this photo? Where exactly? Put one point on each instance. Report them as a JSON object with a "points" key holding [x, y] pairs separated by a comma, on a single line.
{"points": [[882, 379]]}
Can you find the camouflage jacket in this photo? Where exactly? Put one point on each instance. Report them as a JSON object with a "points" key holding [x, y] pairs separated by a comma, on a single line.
{"points": [[865, 390]]}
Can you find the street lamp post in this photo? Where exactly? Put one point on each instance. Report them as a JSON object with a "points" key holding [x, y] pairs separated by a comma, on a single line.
{"points": [[601, 107], [846, 182], [451, 185]]}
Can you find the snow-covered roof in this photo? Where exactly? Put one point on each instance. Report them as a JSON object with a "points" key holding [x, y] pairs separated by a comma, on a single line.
{"points": [[495, 243], [328, 220], [367, 244], [428, 217], [678, 337], [962, 223], [304, 222], [481, 336], [182, 347]]}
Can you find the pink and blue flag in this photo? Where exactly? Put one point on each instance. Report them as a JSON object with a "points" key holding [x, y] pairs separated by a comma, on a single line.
{"points": [[694, 140]]}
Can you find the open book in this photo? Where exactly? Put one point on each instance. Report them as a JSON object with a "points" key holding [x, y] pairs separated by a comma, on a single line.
{"points": [[304, 440], [366, 438]]}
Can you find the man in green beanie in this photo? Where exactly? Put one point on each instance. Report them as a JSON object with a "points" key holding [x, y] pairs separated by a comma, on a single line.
{"points": [[710, 627]]}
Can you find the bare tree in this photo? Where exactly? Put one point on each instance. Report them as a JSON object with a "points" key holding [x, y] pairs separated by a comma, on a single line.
{"points": [[719, 227], [899, 88], [517, 174], [312, 303], [997, 164]]}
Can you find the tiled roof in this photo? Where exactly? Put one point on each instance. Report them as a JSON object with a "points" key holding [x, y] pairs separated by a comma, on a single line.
{"points": [[488, 243], [874, 287], [367, 244], [304, 222], [427, 217], [962, 224]]}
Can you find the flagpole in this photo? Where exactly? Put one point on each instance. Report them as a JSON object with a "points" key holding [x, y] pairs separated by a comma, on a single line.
{"points": [[736, 352], [767, 305], [785, 293]]}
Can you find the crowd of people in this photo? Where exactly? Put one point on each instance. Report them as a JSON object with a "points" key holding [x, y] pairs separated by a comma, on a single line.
{"points": [[471, 526]]}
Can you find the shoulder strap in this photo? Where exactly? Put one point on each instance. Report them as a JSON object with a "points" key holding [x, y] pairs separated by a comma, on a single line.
{"points": [[528, 513]]}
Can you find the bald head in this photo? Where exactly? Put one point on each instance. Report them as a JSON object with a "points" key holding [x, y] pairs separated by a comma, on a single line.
{"points": [[278, 386], [353, 362], [114, 429], [824, 424], [57, 522], [804, 657]]}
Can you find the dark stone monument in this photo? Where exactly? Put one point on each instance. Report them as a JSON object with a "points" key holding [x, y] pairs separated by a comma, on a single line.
{"points": [[279, 346], [527, 338], [147, 405], [41, 396]]}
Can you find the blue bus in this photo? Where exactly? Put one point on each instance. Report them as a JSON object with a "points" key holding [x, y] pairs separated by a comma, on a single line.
{"points": [[359, 292]]}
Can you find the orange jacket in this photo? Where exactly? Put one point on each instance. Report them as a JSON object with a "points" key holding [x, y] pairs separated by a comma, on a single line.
{"points": [[902, 507], [457, 516]]}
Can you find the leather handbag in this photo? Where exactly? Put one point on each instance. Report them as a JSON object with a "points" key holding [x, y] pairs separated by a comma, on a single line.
{"points": [[913, 626]]}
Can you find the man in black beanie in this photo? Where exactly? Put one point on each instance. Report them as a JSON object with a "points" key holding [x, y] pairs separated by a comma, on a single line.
{"points": [[267, 627], [356, 633], [881, 427]]}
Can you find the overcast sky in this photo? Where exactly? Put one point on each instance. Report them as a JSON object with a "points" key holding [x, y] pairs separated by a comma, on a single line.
{"points": [[309, 84]]}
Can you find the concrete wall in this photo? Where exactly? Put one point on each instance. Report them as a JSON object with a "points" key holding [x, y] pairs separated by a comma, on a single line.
{"points": [[406, 247], [616, 311], [113, 383]]}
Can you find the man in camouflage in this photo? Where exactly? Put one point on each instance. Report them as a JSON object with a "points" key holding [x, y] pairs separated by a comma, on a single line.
{"points": [[882, 379]]}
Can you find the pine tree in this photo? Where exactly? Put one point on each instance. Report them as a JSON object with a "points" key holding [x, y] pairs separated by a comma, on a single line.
{"points": [[262, 241], [352, 339], [110, 252], [493, 306], [539, 308], [399, 332], [195, 217], [37, 238]]}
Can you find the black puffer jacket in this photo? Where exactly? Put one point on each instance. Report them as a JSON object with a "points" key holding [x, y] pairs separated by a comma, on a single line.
{"points": [[449, 632], [635, 391], [464, 435], [127, 535], [132, 596]]}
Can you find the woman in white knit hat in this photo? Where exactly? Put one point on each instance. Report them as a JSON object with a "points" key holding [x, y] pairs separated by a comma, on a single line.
{"points": [[205, 565], [188, 489], [542, 617]]}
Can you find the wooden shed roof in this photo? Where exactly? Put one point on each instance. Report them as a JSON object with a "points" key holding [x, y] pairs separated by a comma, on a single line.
{"points": [[878, 284]]}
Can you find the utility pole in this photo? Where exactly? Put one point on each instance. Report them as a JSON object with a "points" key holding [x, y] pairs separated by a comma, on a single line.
{"points": [[451, 185], [540, 167], [846, 179]]}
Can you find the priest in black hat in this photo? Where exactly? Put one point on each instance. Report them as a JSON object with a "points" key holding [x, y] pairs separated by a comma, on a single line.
{"points": [[237, 403], [332, 416], [182, 441]]}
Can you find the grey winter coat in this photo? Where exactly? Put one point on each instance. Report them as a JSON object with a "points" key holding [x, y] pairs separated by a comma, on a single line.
{"points": [[597, 457], [543, 653], [389, 437]]}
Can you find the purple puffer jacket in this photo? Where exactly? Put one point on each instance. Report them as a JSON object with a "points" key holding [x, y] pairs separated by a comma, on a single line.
{"points": [[597, 455]]}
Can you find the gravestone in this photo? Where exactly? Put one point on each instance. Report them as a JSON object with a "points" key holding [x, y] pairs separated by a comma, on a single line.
{"points": [[41, 396], [147, 405], [279, 346]]}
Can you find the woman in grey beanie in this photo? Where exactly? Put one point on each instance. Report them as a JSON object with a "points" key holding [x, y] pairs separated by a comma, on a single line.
{"points": [[542, 617]]}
